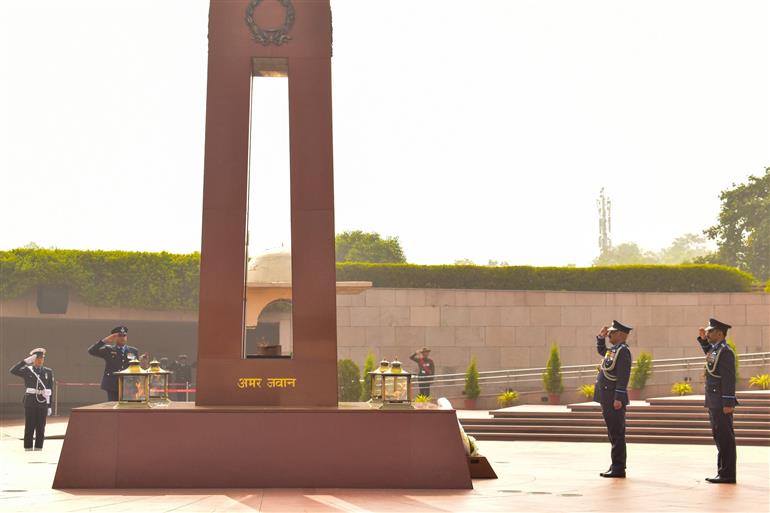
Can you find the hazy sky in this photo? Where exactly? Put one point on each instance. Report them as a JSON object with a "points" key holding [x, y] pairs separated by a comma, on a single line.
{"points": [[470, 129]]}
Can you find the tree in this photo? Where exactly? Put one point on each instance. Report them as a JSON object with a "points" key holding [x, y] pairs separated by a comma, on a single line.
{"points": [[552, 380], [366, 390], [737, 358], [626, 253], [684, 249], [348, 381], [743, 231], [641, 371], [472, 389], [358, 246]]}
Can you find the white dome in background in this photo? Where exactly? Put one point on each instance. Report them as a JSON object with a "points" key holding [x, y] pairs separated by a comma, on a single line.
{"points": [[272, 267]]}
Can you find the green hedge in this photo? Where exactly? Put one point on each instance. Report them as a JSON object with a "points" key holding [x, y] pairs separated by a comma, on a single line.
{"points": [[625, 278], [168, 281], [106, 278]]}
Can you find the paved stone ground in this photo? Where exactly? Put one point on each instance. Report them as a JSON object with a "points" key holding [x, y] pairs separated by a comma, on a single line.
{"points": [[534, 476]]}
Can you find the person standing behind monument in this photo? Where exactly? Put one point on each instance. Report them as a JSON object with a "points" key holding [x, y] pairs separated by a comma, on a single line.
{"points": [[425, 369], [38, 396], [611, 392], [116, 357], [720, 396], [182, 376]]}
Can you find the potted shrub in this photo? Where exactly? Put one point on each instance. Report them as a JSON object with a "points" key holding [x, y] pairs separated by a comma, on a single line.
{"points": [[640, 373], [587, 391], [348, 381], [552, 381], [366, 390], [760, 380], [472, 391], [737, 359], [507, 398], [681, 389]]}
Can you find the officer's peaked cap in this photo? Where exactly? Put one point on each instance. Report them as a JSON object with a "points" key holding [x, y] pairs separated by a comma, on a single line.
{"points": [[718, 325], [120, 329], [616, 326]]}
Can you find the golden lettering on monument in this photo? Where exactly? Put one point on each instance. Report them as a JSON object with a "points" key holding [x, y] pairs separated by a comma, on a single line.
{"points": [[271, 382], [281, 382], [249, 382]]}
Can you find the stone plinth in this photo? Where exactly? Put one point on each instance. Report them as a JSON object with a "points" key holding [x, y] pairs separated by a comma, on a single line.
{"points": [[185, 446]]}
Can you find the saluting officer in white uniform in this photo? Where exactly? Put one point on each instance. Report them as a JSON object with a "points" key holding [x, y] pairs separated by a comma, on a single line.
{"points": [[38, 396]]}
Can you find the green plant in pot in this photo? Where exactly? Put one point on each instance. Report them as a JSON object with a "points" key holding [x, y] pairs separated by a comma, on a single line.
{"points": [[366, 389], [472, 390], [760, 380], [681, 389], [640, 373], [587, 391], [507, 398], [552, 380]]}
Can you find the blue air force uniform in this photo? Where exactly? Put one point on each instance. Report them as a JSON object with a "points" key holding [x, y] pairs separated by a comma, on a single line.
{"points": [[38, 397], [611, 385], [720, 392], [116, 359]]}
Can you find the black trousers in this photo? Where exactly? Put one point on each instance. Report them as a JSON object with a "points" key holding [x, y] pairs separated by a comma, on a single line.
{"points": [[724, 436], [112, 395], [34, 425], [616, 430], [424, 385]]}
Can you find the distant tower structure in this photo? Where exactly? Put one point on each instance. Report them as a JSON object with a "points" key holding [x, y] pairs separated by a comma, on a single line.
{"points": [[605, 222]]}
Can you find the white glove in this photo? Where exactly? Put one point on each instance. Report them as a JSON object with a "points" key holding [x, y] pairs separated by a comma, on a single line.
{"points": [[29, 360], [49, 412]]}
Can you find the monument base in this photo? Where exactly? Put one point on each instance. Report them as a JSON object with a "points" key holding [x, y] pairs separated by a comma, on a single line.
{"points": [[188, 446]]}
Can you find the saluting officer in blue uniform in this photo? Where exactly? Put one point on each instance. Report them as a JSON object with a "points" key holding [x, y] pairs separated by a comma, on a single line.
{"points": [[611, 391], [38, 396], [720, 396], [116, 357]]}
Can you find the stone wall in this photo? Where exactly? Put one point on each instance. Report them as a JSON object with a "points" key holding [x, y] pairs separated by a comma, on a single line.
{"points": [[513, 329], [503, 329]]}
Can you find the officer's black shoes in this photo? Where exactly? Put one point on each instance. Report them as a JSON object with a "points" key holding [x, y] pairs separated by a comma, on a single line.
{"points": [[613, 473], [720, 479]]}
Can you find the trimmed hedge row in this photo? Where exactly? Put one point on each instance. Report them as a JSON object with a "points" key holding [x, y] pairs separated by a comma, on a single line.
{"points": [[106, 278], [168, 281], [626, 278]]}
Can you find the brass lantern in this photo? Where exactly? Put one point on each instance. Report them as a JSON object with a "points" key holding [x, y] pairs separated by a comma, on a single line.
{"points": [[376, 381], [395, 387], [133, 386], [158, 384]]}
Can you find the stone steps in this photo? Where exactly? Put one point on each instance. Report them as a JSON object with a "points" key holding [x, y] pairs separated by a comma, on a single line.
{"points": [[601, 430], [598, 421], [658, 420], [638, 439]]}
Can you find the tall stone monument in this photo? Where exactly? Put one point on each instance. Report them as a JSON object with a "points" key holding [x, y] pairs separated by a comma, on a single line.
{"points": [[265, 422], [248, 38]]}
